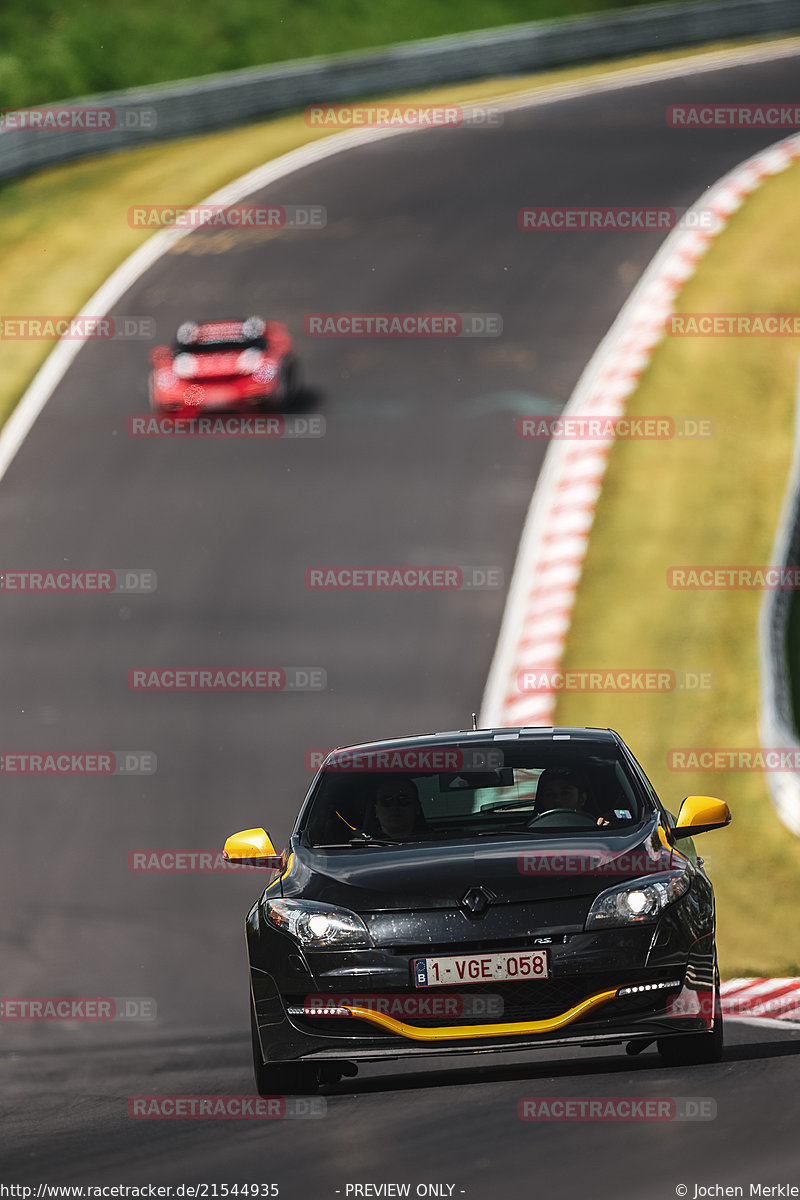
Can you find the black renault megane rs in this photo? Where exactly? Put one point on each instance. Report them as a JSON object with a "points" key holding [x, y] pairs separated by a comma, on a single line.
{"points": [[505, 889]]}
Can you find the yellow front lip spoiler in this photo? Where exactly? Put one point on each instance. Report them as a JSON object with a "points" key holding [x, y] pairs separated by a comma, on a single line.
{"points": [[444, 1033]]}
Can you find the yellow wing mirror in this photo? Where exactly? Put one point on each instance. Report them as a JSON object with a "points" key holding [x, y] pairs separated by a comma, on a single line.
{"points": [[254, 848], [699, 814]]}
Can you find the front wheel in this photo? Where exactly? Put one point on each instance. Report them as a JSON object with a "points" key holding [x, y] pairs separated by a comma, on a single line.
{"points": [[280, 1079], [291, 382], [692, 1049]]}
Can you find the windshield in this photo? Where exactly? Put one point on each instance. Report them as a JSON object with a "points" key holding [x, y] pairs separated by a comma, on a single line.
{"points": [[221, 347], [215, 337], [532, 790]]}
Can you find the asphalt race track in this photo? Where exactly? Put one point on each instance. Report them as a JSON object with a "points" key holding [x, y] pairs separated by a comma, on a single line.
{"points": [[420, 466]]}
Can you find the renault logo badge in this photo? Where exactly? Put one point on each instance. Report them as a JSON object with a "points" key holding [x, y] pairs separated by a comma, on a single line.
{"points": [[476, 901]]}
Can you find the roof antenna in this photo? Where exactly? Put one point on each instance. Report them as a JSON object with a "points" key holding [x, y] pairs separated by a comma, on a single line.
{"points": [[474, 720]]}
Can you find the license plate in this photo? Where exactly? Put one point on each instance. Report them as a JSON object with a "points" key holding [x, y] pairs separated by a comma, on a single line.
{"points": [[456, 970]]}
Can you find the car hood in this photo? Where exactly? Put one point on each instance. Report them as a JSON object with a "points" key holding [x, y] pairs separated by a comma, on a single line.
{"points": [[437, 875]]}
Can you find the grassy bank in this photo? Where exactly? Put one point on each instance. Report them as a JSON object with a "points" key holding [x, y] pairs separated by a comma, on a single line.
{"points": [[712, 501]]}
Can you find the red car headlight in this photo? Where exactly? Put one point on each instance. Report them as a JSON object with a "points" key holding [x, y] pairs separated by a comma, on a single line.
{"points": [[265, 373]]}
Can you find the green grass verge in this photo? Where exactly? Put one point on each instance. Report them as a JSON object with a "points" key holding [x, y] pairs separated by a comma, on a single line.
{"points": [[52, 49], [714, 501], [64, 230]]}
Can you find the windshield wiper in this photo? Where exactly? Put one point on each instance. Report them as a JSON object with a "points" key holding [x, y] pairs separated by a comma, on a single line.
{"points": [[508, 833], [365, 839], [361, 841]]}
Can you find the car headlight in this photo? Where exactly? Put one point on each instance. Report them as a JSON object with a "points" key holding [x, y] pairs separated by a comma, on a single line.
{"points": [[265, 373], [638, 902], [253, 327], [187, 333], [317, 925], [184, 365], [248, 361]]}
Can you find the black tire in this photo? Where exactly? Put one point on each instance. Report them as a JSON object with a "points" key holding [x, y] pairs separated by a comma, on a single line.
{"points": [[281, 1079], [288, 392], [291, 383], [693, 1049]]}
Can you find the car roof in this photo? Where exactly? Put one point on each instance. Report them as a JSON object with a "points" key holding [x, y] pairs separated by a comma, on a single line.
{"points": [[528, 734], [200, 332]]}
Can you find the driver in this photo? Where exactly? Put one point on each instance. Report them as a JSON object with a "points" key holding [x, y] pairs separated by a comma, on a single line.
{"points": [[397, 807], [562, 788]]}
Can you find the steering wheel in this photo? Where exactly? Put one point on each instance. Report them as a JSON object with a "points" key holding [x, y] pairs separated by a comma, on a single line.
{"points": [[577, 819]]}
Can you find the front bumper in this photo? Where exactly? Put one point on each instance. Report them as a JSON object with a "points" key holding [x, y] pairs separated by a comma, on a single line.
{"points": [[668, 967], [663, 1006], [232, 396], [283, 1042], [452, 1033]]}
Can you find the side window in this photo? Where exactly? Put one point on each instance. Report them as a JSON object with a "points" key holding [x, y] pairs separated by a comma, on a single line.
{"points": [[686, 846], [624, 802], [669, 819]]}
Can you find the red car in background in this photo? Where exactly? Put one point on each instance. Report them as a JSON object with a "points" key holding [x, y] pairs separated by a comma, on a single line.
{"points": [[231, 366]]}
